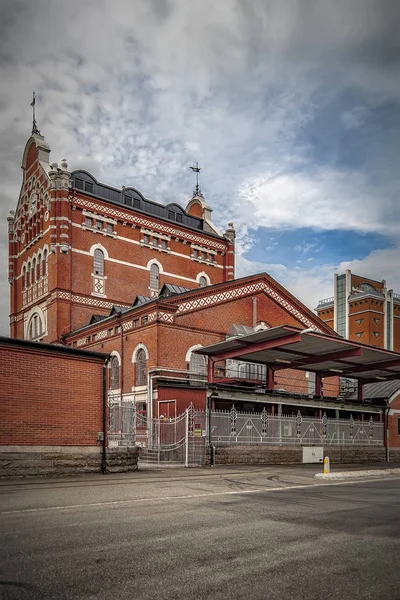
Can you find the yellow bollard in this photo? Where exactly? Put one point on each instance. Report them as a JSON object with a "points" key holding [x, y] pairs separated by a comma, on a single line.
{"points": [[327, 465]]}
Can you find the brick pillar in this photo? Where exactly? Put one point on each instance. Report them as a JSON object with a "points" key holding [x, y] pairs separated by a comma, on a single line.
{"points": [[60, 248], [230, 235]]}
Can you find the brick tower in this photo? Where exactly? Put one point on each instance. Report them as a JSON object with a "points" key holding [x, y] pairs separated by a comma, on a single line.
{"points": [[78, 247]]}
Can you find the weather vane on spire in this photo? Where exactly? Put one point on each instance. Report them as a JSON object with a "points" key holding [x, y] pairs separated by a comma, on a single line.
{"points": [[197, 190], [34, 125]]}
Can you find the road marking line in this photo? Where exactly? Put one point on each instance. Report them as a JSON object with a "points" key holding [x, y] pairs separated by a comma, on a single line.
{"points": [[191, 496]]}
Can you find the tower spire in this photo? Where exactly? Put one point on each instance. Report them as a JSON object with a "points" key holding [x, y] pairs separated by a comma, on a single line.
{"points": [[197, 190], [34, 125]]}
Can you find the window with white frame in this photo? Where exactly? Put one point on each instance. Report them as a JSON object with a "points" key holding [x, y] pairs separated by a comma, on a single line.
{"points": [[44, 265], [35, 328], [39, 267], [98, 262], [202, 281], [114, 373], [141, 367], [197, 364], [154, 277]]}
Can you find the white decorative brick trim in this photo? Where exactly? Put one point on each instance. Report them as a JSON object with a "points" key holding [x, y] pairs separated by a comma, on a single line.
{"points": [[245, 290], [160, 316], [168, 230]]}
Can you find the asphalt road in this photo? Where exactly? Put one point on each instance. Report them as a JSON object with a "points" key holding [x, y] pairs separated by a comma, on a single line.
{"points": [[224, 534]]}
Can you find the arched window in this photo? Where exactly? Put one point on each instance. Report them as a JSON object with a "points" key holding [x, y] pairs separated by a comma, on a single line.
{"points": [[141, 367], [24, 278], [28, 276], [44, 265], [35, 327], [114, 373], [197, 364], [39, 267], [154, 276], [202, 281], [33, 270], [98, 262]]}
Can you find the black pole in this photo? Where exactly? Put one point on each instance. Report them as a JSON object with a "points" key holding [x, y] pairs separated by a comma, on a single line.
{"points": [[212, 449], [104, 455]]}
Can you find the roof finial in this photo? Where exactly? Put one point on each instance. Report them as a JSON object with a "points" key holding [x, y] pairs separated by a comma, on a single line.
{"points": [[197, 190], [34, 125]]}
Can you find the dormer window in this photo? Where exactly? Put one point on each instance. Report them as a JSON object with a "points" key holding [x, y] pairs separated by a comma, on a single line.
{"points": [[89, 187]]}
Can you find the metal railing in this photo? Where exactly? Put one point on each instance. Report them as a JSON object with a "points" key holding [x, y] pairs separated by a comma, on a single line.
{"points": [[326, 301], [173, 439], [234, 428]]}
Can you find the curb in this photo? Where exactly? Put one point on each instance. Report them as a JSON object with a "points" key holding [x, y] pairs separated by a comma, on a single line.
{"points": [[351, 474]]}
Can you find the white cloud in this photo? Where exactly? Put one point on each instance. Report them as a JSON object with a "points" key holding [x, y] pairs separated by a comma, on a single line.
{"points": [[135, 92]]}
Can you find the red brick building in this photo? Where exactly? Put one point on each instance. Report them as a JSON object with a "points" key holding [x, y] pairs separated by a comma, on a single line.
{"points": [[78, 247], [363, 310], [103, 269], [106, 269]]}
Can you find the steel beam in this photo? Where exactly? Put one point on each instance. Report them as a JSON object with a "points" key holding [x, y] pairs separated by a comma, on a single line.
{"points": [[333, 356], [375, 366], [270, 379], [250, 348], [210, 370]]}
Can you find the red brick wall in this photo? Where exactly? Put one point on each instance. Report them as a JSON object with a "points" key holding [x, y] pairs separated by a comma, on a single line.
{"points": [[49, 398], [367, 309], [357, 279], [396, 328]]}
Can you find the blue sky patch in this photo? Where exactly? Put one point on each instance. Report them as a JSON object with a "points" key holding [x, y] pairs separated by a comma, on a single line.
{"points": [[308, 247]]}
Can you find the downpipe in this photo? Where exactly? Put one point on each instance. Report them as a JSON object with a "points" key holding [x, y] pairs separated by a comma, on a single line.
{"points": [[104, 441]]}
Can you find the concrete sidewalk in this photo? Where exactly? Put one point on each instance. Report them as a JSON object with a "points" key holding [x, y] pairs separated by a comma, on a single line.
{"points": [[161, 475]]}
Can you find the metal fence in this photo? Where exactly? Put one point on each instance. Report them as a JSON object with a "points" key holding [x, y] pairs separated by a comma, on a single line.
{"points": [[183, 440], [237, 428]]}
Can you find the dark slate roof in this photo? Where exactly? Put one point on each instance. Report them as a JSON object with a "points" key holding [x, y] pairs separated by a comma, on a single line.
{"points": [[139, 300], [97, 318], [131, 198], [118, 309], [170, 289], [381, 389]]}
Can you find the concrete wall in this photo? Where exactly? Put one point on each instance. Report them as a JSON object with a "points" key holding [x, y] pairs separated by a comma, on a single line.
{"points": [[77, 461], [292, 455]]}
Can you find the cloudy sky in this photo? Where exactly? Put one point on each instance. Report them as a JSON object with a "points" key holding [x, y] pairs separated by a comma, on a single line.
{"points": [[291, 108]]}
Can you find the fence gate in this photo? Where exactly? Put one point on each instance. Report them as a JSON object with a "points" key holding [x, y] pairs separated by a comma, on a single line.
{"points": [[163, 441]]}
